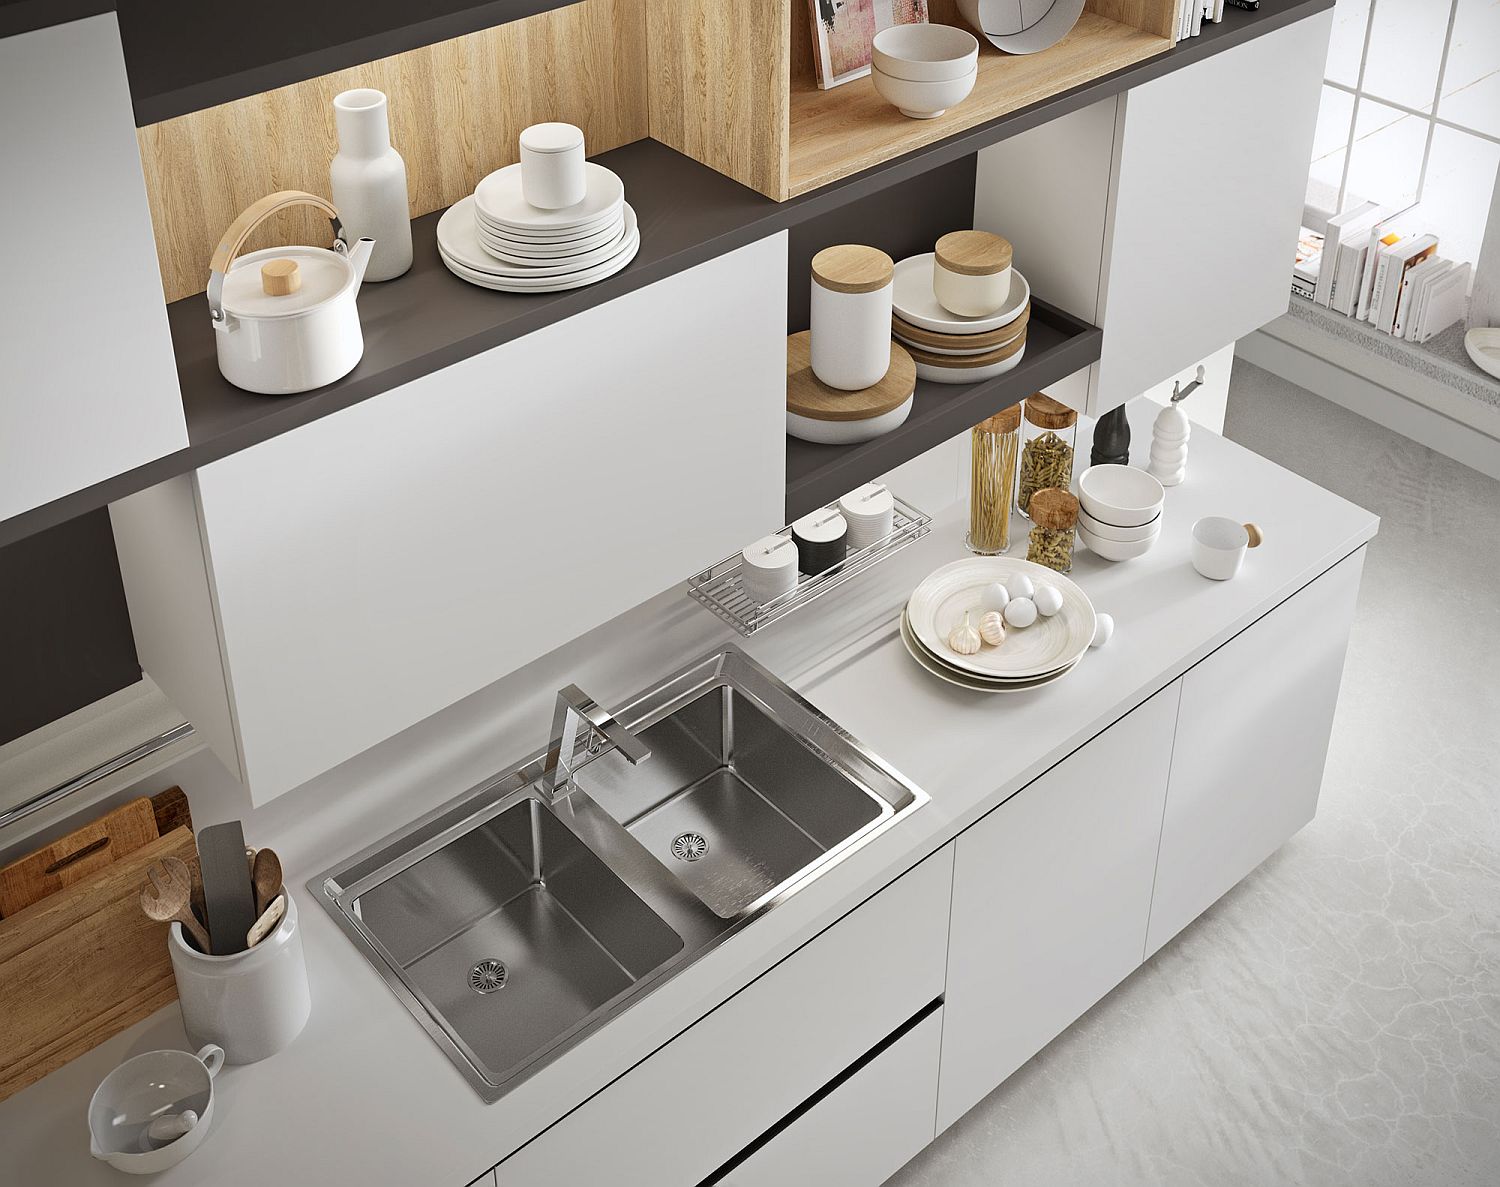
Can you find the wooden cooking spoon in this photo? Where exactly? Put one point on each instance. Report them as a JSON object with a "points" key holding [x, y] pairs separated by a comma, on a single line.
{"points": [[265, 876], [167, 897]]}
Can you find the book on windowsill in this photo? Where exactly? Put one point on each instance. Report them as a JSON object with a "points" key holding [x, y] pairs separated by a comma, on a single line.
{"points": [[1307, 263], [1349, 226], [1395, 261], [1444, 302], [1379, 237]]}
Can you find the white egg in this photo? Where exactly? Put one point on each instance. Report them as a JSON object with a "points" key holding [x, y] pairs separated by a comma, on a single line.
{"points": [[1104, 627], [994, 597], [1048, 600], [1020, 613], [1020, 586]]}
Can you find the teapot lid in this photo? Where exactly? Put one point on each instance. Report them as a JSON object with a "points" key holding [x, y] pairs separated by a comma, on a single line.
{"points": [[318, 277]]}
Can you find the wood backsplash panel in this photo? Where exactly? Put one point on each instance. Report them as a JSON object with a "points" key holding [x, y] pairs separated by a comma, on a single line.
{"points": [[456, 110]]}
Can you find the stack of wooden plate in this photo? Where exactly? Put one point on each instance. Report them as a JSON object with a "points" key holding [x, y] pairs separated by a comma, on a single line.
{"points": [[949, 348], [1030, 657], [496, 239]]}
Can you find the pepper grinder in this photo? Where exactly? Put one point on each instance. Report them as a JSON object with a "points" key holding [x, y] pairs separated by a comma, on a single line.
{"points": [[1111, 439], [1169, 436]]}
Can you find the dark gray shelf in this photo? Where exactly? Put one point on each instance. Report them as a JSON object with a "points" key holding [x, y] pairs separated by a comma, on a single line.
{"points": [[429, 319], [1056, 346]]}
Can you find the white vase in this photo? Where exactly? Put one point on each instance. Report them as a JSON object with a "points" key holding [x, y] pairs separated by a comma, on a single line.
{"points": [[369, 182]]}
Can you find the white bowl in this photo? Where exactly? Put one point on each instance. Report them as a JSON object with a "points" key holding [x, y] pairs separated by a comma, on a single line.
{"points": [[1114, 550], [924, 53], [1108, 531], [1121, 496], [142, 1089], [923, 100]]}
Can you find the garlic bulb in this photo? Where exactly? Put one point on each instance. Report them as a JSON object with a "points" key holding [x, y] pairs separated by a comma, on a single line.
{"points": [[992, 628], [964, 639]]}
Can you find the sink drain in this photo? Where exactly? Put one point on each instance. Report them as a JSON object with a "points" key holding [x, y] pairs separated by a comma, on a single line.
{"points": [[487, 976], [689, 846]]}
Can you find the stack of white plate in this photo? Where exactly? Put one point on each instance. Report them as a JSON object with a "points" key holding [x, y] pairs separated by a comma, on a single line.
{"points": [[496, 239], [1030, 657], [948, 347]]}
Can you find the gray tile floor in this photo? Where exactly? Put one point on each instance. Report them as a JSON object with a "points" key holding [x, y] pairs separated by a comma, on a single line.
{"points": [[1335, 1019]]}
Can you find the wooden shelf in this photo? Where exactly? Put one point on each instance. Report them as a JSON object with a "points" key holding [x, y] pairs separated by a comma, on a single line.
{"points": [[1056, 346], [850, 128]]}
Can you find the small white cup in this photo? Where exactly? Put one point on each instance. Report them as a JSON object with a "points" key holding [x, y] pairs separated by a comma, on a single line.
{"points": [[251, 1003], [139, 1091], [552, 166], [1219, 546]]}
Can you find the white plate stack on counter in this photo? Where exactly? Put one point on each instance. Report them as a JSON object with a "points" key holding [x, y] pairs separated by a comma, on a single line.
{"points": [[552, 222]]}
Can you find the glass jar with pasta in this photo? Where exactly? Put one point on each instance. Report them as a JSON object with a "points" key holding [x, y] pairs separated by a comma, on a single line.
{"points": [[1048, 433], [996, 446]]}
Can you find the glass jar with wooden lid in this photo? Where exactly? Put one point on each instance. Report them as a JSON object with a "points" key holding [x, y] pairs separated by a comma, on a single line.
{"points": [[850, 316], [995, 445], [1049, 431], [1055, 513]]}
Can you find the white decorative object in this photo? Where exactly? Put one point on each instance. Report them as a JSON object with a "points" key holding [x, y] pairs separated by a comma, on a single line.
{"points": [[924, 52], [994, 597], [1118, 550], [870, 512], [552, 172], [140, 1091], [1019, 586], [992, 628], [850, 316], [971, 272], [284, 317], [1219, 545], [368, 179], [1120, 496], [770, 567], [923, 100], [912, 297], [1104, 627], [170, 1126], [1483, 345], [964, 638], [1048, 600], [500, 201], [1169, 442], [1019, 28], [1020, 613], [251, 1003]]}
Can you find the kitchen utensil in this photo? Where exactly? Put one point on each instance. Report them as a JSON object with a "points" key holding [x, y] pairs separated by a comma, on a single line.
{"points": [[77, 855], [965, 680], [1121, 496], [1111, 445], [171, 810], [825, 415], [460, 242], [265, 878], [1107, 531], [913, 300], [959, 345], [167, 897], [499, 198], [1022, 28], [850, 316], [291, 341], [971, 272], [552, 166], [942, 599], [925, 52], [168, 1128], [228, 897], [1219, 546], [821, 537], [141, 1090], [944, 372], [253, 1003], [367, 180], [1169, 445], [1483, 346], [1117, 550], [923, 100], [269, 918]]}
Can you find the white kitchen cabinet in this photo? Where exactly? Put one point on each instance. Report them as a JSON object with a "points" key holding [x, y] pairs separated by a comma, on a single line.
{"points": [[686, 1111], [864, 1130], [88, 381], [1252, 736], [366, 570], [1051, 895], [1166, 215]]}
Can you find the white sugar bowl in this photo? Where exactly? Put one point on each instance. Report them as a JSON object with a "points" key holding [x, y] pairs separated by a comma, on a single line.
{"points": [[552, 166]]}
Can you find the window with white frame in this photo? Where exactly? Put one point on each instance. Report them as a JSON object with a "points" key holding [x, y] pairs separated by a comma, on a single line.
{"points": [[1410, 115]]}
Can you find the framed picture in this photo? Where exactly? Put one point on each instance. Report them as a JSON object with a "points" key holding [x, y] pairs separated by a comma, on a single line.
{"points": [[843, 29]]}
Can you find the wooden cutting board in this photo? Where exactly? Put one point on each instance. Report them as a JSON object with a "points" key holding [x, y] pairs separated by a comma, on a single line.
{"points": [[76, 856]]}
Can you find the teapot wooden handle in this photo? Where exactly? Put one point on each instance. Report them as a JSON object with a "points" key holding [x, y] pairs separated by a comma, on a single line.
{"points": [[256, 213]]}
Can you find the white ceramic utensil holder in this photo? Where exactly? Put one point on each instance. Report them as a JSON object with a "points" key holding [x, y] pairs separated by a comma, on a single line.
{"points": [[251, 1003], [368, 178], [552, 166], [850, 316]]}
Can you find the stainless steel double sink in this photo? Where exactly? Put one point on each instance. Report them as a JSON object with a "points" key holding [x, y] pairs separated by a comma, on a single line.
{"points": [[512, 922]]}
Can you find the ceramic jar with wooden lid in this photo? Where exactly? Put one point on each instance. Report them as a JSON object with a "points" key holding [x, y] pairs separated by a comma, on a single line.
{"points": [[851, 316], [971, 272], [1049, 430], [1055, 513]]}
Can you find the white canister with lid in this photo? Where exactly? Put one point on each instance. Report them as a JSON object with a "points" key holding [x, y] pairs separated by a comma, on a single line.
{"points": [[971, 273], [870, 512], [552, 166], [285, 318], [850, 316], [770, 567]]}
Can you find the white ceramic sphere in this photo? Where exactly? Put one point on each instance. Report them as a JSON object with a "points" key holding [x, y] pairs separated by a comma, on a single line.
{"points": [[1021, 612], [1048, 600], [1019, 586], [1104, 627], [994, 597]]}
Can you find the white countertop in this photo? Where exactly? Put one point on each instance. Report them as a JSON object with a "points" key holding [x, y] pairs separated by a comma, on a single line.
{"points": [[365, 1097]]}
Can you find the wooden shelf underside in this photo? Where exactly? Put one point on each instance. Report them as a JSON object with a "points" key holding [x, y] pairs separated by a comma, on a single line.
{"points": [[841, 131]]}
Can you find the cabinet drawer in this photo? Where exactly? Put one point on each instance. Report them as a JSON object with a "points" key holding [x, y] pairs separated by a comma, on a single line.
{"points": [[862, 1132], [683, 1113]]}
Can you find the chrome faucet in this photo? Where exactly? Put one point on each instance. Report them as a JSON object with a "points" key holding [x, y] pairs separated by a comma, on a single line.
{"points": [[578, 713]]}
